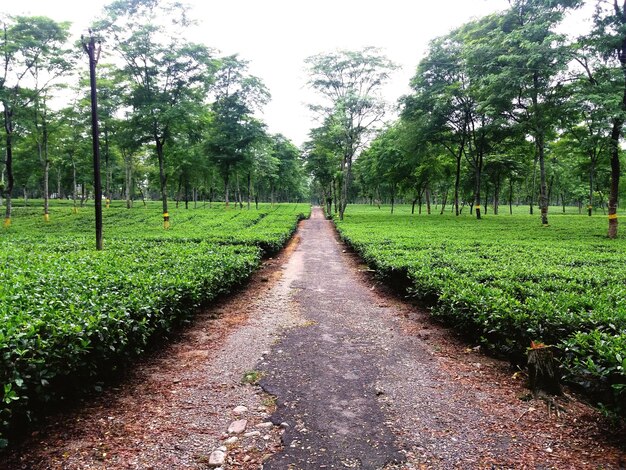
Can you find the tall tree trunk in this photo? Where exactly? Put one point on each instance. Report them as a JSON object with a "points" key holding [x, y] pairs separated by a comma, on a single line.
{"points": [[393, 197], [486, 198], [329, 200], [457, 181], [428, 208], [8, 190], [238, 188], [532, 191], [444, 201], [46, 168], [107, 167], [496, 196], [226, 201], [75, 187], [540, 151], [186, 193], [413, 205], [178, 195], [128, 180], [249, 189], [59, 195], [46, 190], [592, 170], [477, 184], [616, 131], [163, 179], [510, 196]]}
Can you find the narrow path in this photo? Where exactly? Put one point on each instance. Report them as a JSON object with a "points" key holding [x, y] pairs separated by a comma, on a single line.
{"points": [[358, 378]]}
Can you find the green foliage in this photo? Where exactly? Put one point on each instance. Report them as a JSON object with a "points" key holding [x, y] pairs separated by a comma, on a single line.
{"points": [[70, 314], [562, 286]]}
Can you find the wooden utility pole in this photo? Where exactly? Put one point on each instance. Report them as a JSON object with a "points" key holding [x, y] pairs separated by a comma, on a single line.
{"points": [[93, 51]]}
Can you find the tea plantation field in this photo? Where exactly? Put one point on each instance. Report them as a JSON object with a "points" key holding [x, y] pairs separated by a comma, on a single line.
{"points": [[506, 281], [69, 314]]}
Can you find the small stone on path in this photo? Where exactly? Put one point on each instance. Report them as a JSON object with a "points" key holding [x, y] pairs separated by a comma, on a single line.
{"points": [[252, 434], [239, 410], [231, 440], [237, 427], [267, 424], [217, 458]]}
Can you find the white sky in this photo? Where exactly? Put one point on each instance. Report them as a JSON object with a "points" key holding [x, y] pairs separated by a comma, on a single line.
{"points": [[277, 35]]}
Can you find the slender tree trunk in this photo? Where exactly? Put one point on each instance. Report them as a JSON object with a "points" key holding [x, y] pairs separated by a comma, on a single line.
{"points": [[444, 201], [107, 167], [615, 172], [8, 190], [510, 196], [543, 188], [239, 196], [540, 151], [428, 208], [59, 195], [178, 195], [186, 193], [496, 195], [46, 168], [163, 180], [75, 187], [591, 172], [249, 189], [532, 191], [226, 201], [128, 181], [486, 198], [616, 133], [46, 190], [477, 184], [457, 182], [413, 205], [393, 197]]}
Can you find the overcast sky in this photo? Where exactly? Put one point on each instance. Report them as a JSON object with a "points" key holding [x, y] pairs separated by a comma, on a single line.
{"points": [[277, 35]]}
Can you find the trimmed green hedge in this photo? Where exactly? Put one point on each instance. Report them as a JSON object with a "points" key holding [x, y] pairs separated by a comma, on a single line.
{"points": [[69, 314], [507, 281]]}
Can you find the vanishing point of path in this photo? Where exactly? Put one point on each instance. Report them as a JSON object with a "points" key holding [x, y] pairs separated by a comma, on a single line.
{"points": [[351, 377]]}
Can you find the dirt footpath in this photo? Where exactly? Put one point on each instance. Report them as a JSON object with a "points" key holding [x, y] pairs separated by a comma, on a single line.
{"points": [[350, 377]]}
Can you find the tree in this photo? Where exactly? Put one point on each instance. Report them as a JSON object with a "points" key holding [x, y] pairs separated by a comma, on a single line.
{"points": [[441, 106], [350, 82], [166, 75], [233, 130], [522, 64], [605, 66], [32, 58]]}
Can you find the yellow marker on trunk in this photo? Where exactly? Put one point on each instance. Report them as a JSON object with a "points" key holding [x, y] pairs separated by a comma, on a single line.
{"points": [[166, 220], [612, 216], [7, 222], [46, 217]]}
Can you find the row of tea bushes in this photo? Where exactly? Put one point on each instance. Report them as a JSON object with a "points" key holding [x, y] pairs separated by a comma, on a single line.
{"points": [[507, 281]]}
